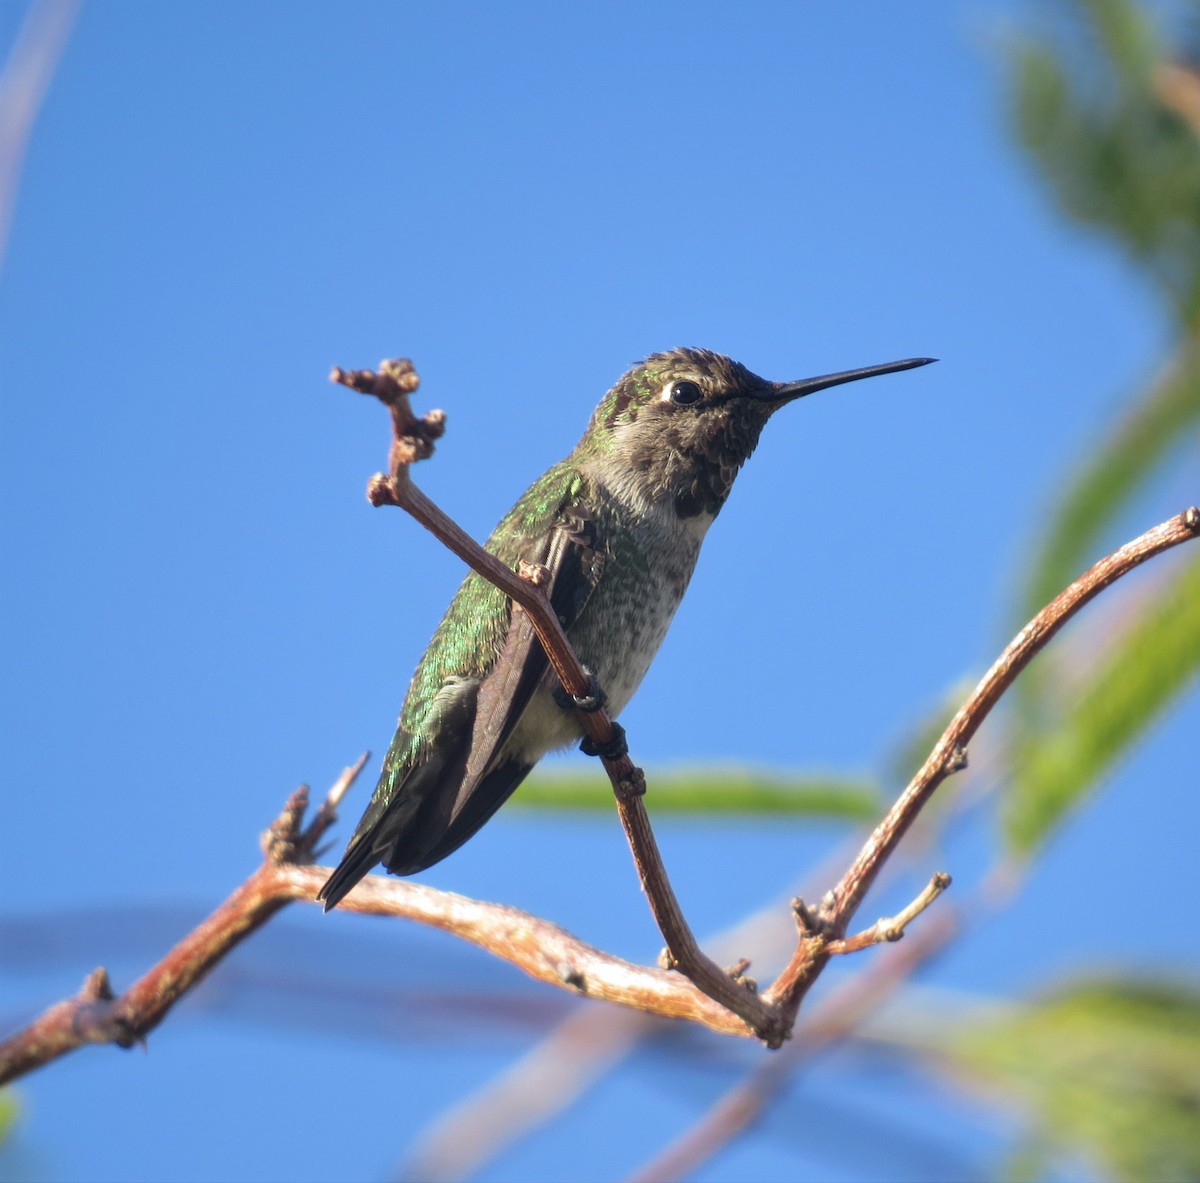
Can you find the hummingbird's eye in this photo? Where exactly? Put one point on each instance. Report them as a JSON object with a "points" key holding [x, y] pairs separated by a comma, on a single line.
{"points": [[685, 393]]}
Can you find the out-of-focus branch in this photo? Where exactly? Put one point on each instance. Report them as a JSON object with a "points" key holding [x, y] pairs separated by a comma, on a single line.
{"points": [[829, 1021], [1178, 87], [535, 1088], [23, 84]]}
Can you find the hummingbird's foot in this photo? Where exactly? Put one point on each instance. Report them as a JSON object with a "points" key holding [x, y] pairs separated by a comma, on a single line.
{"points": [[616, 747], [593, 700]]}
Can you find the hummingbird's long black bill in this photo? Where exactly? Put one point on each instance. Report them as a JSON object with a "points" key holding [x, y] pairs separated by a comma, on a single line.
{"points": [[786, 391]]}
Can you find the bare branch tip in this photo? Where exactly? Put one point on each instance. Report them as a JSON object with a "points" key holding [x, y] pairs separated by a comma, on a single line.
{"points": [[279, 840], [806, 922], [401, 372], [362, 381], [345, 782], [894, 929], [381, 490], [97, 987]]}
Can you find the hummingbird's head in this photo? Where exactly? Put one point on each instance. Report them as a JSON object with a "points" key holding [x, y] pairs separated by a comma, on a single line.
{"points": [[677, 427]]}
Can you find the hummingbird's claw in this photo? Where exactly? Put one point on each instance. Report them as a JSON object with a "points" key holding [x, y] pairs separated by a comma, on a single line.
{"points": [[616, 747], [593, 700]]}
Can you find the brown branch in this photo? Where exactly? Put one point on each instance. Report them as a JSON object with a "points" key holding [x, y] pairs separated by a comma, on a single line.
{"points": [[96, 1015], [949, 754], [543, 950], [412, 440], [540, 948]]}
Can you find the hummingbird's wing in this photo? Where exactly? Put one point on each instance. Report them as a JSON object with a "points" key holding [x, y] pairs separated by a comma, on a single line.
{"points": [[441, 785], [574, 562]]}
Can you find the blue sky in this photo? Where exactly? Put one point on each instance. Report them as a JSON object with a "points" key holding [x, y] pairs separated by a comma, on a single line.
{"points": [[200, 610]]}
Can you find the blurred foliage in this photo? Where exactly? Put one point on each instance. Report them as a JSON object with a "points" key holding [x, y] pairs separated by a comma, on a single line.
{"points": [[708, 791], [1108, 1072], [1138, 675], [1089, 107], [1111, 119], [9, 1111], [1146, 437]]}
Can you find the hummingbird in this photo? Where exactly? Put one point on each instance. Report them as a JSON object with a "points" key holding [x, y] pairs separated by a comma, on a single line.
{"points": [[616, 528]]}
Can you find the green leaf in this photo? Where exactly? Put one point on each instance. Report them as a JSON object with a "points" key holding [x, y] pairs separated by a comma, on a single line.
{"points": [[1148, 667], [1111, 474], [1109, 1069], [708, 792]]}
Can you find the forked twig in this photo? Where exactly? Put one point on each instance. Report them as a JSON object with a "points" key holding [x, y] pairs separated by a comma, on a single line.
{"points": [[949, 753], [892, 928]]}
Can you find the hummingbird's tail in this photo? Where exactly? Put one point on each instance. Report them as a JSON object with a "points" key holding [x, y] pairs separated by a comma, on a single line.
{"points": [[356, 864], [407, 839]]}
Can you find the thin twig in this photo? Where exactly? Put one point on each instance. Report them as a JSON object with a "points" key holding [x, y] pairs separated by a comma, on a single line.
{"points": [[891, 928]]}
